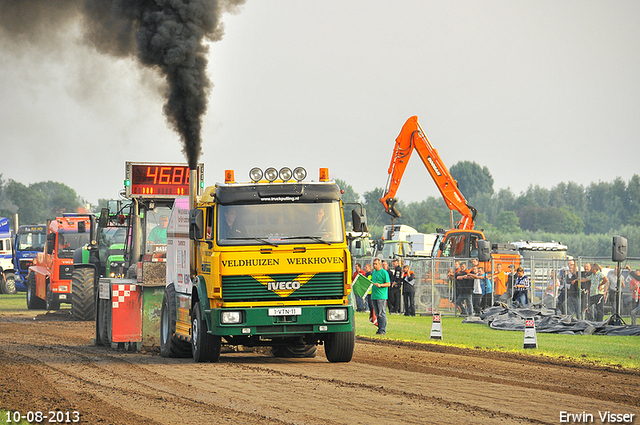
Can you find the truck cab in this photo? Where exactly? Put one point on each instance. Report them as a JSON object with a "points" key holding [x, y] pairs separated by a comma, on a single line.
{"points": [[272, 268]]}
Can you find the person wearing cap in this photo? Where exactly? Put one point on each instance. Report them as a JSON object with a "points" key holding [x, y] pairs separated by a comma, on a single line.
{"points": [[521, 286], [158, 234]]}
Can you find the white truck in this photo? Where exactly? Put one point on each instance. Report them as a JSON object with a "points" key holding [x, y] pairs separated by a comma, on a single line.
{"points": [[403, 240]]}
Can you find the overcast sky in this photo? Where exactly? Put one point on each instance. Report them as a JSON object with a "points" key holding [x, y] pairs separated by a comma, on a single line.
{"points": [[539, 92]]}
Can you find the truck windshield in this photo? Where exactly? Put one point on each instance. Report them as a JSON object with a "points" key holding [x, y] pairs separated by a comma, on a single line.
{"points": [[275, 224], [69, 242], [31, 241]]}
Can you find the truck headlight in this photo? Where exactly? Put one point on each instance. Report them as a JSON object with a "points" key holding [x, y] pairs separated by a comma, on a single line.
{"points": [[231, 317], [337, 315]]}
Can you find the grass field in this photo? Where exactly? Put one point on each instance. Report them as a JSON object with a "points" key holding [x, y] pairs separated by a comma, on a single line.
{"points": [[607, 350], [610, 350]]}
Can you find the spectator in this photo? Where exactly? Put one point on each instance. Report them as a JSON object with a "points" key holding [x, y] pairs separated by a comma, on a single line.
{"points": [[596, 300], [408, 291], [478, 277], [551, 291], [521, 286], [635, 292], [585, 290], [612, 285], [569, 293], [396, 286], [379, 294], [465, 289], [360, 303], [500, 284], [511, 275], [486, 291], [451, 279], [367, 297]]}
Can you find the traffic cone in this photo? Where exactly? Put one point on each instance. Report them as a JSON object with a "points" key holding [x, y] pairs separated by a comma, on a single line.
{"points": [[530, 340], [436, 327]]}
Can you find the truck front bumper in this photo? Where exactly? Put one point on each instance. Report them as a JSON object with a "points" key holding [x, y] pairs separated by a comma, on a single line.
{"points": [[281, 321]]}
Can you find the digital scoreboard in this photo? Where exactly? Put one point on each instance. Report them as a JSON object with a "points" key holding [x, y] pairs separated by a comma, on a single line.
{"points": [[160, 180]]}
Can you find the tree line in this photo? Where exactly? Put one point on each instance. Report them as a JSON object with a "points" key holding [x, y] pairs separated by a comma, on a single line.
{"points": [[582, 217], [37, 202]]}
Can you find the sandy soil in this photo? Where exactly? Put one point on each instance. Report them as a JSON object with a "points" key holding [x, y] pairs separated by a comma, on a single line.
{"points": [[47, 363]]}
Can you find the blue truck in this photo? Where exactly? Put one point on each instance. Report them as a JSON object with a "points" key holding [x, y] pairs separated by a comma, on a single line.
{"points": [[28, 241], [6, 260]]}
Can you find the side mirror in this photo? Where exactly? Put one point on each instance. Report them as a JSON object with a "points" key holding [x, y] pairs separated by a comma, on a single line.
{"points": [[619, 249], [82, 228], [196, 224], [358, 244], [484, 251], [359, 220], [50, 245], [104, 217]]}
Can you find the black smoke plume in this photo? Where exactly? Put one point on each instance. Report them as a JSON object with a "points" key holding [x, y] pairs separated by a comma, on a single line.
{"points": [[167, 35]]}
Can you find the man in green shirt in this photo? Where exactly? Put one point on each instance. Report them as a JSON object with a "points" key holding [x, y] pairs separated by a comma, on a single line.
{"points": [[379, 294], [158, 234]]}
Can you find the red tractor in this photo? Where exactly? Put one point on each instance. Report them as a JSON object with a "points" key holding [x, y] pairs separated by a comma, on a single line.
{"points": [[49, 279]]}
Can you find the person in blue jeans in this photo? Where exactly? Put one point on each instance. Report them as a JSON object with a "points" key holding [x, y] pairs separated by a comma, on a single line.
{"points": [[521, 286], [379, 294]]}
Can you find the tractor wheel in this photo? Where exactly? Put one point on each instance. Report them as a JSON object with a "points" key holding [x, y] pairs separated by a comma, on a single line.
{"points": [[338, 347], [171, 345], [8, 284], [102, 322], [295, 351], [204, 346], [82, 294], [51, 302], [33, 302]]}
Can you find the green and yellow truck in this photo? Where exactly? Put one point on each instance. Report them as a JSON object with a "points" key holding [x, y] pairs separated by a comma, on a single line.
{"points": [[263, 263]]}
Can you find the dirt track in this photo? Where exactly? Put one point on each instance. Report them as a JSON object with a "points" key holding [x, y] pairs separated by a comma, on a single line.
{"points": [[47, 363]]}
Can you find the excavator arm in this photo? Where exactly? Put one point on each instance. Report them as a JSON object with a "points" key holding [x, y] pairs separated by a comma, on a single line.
{"points": [[413, 137]]}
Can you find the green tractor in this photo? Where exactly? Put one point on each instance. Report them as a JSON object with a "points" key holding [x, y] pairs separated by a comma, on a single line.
{"points": [[102, 257]]}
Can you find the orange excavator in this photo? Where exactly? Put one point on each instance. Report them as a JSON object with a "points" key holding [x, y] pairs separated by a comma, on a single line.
{"points": [[462, 240]]}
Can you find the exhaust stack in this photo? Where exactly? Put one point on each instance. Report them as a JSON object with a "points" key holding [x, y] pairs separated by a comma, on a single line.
{"points": [[193, 187]]}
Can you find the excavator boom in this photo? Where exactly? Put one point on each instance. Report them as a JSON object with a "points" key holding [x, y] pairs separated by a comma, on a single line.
{"points": [[413, 137]]}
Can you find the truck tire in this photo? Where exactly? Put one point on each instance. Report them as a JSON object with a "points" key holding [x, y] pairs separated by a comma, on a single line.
{"points": [[171, 345], [8, 284], [338, 347], [82, 294], [33, 302], [204, 346], [51, 302], [295, 351]]}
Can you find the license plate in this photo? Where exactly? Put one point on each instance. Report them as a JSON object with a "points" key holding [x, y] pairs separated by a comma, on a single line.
{"points": [[293, 311]]}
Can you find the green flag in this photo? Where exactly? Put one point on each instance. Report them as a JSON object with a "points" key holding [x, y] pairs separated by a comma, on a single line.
{"points": [[361, 285]]}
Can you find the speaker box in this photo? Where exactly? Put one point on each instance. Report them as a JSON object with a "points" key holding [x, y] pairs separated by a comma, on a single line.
{"points": [[619, 249]]}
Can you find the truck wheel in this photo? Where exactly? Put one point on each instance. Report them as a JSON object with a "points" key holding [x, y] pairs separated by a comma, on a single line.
{"points": [[204, 346], [338, 347], [82, 294], [295, 351], [8, 284], [33, 302], [171, 345], [52, 302]]}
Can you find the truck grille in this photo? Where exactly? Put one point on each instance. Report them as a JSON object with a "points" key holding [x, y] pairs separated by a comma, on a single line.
{"points": [[25, 264], [322, 286], [65, 271]]}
